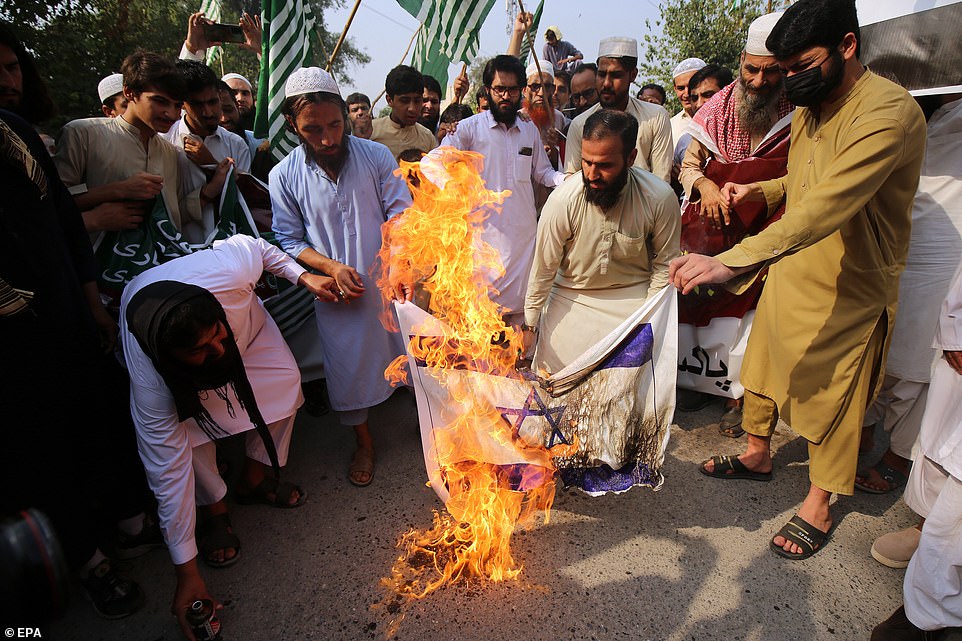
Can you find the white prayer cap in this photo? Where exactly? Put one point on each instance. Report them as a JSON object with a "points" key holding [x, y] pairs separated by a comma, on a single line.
{"points": [[686, 65], [555, 30], [110, 86], [758, 32], [618, 47], [546, 67], [237, 76], [310, 80]]}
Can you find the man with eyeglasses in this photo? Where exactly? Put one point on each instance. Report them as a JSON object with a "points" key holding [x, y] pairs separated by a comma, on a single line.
{"points": [[819, 340], [514, 159], [617, 68], [538, 105], [584, 95]]}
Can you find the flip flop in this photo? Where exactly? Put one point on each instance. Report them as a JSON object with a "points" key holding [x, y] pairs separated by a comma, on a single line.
{"points": [[803, 534], [889, 474], [272, 492], [362, 461], [738, 470]]}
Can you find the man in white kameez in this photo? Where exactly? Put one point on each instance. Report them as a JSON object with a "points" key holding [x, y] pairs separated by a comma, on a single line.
{"points": [[202, 141], [329, 198], [206, 360], [514, 159], [604, 244], [931, 591], [935, 248]]}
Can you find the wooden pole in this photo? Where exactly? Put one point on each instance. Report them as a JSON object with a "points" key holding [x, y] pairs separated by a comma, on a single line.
{"points": [[340, 41], [527, 34], [403, 58]]}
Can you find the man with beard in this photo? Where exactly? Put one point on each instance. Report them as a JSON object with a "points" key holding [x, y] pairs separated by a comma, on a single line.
{"points": [[207, 361], [617, 68], [22, 89], [833, 259], [604, 244], [742, 132], [202, 139], [514, 158], [229, 116], [584, 94], [399, 131], [539, 106], [330, 197]]}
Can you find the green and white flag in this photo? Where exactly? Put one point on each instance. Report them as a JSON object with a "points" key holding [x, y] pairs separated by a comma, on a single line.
{"points": [[287, 26], [450, 33], [212, 11], [532, 34]]}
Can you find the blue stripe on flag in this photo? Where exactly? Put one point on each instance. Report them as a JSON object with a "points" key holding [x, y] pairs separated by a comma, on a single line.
{"points": [[634, 351]]}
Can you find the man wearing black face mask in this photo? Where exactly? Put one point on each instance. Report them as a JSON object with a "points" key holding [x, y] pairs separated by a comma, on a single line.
{"points": [[819, 339]]}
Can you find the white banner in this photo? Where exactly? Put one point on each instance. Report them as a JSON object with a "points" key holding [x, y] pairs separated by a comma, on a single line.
{"points": [[613, 405], [710, 357]]}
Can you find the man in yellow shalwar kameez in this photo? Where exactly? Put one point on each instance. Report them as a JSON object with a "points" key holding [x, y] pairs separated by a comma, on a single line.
{"points": [[821, 332]]}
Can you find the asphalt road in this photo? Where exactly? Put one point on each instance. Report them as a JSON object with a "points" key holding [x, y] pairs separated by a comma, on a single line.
{"points": [[688, 562]]}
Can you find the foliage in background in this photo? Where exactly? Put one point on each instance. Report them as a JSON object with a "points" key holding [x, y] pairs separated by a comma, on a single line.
{"points": [[78, 43], [713, 30]]}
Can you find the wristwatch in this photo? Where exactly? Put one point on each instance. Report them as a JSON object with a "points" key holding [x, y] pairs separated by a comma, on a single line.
{"points": [[529, 328]]}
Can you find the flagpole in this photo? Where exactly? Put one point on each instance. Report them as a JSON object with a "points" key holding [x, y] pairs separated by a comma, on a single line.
{"points": [[340, 41], [403, 58], [464, 68], [527, 34]]}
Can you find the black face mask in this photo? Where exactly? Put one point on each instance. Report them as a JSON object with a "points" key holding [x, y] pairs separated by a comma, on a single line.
{"points": [[809, 88]]}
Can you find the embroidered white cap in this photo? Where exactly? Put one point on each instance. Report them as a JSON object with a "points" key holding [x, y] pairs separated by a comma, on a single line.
{"points": [[618, 47], [110, 86], [310, 80], [555, 30], [546, 67], [237, 76], [686, 65], [758, 32]]}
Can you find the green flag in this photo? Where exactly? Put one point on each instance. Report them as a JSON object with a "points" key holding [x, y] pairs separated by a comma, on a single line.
{"points": [[532, 34], [450, 33], [286, 46], [212, 10]]}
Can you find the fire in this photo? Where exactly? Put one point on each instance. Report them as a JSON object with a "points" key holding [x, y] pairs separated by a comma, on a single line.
{"points": [[437, 243]]}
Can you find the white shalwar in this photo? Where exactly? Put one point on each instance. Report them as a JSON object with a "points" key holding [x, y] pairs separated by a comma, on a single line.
{"points": [[229, 270], [514, 158], [935, 249], [933, 580]]}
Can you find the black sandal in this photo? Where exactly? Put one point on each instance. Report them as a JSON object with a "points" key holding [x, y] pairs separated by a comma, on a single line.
{"points": [[722, 465], [804, 535], [272, 492], [214, 535]]}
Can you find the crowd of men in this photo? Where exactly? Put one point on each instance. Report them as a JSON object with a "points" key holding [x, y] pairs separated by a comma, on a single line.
{"points": [[784, 202]]}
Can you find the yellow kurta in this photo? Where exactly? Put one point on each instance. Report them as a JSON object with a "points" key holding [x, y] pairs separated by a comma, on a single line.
{"points": [[835, 255]]}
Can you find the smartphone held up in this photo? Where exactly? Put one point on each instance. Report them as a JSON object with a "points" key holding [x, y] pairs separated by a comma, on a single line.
{"points": [[219, 32]]}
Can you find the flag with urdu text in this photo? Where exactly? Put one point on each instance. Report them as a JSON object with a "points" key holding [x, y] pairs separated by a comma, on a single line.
{"points": [[212, 11], [286, 46], [449, 33], [532, 34]]}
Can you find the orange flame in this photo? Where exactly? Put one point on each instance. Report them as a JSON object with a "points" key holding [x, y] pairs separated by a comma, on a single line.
{"points": [[437, 244]]}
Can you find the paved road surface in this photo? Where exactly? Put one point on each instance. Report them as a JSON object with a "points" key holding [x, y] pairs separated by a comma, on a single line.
{"points": [[688, 562]]}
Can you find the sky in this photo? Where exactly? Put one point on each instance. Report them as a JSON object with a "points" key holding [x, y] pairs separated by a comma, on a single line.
{"points": [[382, 29]]}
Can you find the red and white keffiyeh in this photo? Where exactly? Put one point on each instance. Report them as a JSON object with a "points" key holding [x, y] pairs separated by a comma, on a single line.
{"points": [[716, 126]]}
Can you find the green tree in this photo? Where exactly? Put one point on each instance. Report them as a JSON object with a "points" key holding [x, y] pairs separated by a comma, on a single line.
{"points": [[78, 43], [713, 30]]}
